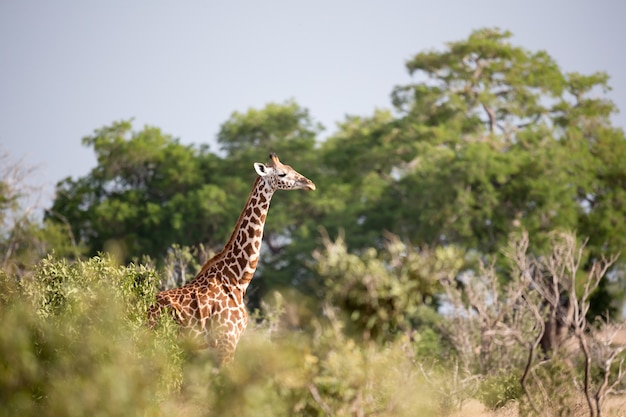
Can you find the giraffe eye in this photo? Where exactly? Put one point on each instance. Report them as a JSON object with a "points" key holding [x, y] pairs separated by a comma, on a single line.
{"points": [[282, 174]]}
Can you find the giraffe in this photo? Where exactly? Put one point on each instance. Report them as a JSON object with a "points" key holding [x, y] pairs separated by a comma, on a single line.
{"points": [[212, 304]]}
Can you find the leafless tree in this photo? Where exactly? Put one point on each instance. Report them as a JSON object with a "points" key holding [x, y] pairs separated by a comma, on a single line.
{"points": [[566, 301], [19, 199], [180, 265], [605, 350], [486, 320], [544, 304]]}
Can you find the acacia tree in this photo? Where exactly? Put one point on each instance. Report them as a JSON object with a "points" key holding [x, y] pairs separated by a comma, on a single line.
{"points": [[490, 138], [503, 139]]}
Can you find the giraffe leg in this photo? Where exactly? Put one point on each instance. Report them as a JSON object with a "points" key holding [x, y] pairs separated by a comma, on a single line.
{"points": [[225, 346], [223, 331]]}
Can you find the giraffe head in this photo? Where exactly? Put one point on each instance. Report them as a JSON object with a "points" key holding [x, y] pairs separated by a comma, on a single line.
{"points": [[282, 177]]}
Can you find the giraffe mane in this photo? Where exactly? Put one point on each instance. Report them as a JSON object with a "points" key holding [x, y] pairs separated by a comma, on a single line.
{"points": [[218, 256]]}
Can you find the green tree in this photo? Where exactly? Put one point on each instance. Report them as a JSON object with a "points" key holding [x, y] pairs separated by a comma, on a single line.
{"points": [[360, 161], [290, 230], [504, 139], [285, 127], [147, 192], [490, 139]]}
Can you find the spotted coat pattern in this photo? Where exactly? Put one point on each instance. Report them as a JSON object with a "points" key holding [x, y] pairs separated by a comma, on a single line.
{"points": [[212, 305]]}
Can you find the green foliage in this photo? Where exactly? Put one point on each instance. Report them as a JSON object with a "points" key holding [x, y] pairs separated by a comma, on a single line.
{"points": [[287, 127], [488, 156], [428, 342], [60, 287], [382, 292], [324, 375], [147, 192], [349, 378], [496, 390], [490, 140], [360, 162], [74, 343]]}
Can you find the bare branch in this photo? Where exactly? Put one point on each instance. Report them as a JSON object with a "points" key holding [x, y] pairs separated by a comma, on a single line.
{"points": [[492, 117]]}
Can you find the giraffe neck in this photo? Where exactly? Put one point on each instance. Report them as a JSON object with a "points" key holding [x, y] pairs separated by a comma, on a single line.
{"points": [[238, 260]]}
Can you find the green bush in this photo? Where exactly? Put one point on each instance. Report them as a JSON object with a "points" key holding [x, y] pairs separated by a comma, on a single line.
{"points": [[495, 391], [73, 343], [385, 293], [311, 375]]}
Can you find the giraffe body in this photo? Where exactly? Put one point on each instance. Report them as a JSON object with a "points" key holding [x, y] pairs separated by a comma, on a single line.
{"points": [[212, 305]]}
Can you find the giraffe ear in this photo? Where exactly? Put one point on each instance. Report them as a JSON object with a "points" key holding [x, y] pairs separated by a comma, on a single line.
{"points": [[261, 169]]}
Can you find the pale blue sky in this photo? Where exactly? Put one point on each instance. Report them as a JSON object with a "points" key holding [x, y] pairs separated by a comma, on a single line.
{"points": [[69, 67]]}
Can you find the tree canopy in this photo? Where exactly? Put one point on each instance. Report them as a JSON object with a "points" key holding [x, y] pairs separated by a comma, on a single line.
{"points": [[147, 192], [489, 140], [493, 138]]}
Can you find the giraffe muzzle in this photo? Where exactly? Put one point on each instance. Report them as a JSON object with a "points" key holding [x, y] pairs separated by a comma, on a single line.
{"points": [[307, 184]]}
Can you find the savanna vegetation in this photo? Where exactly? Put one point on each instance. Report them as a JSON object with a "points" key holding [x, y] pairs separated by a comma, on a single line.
{"points": [[462, 245]]}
